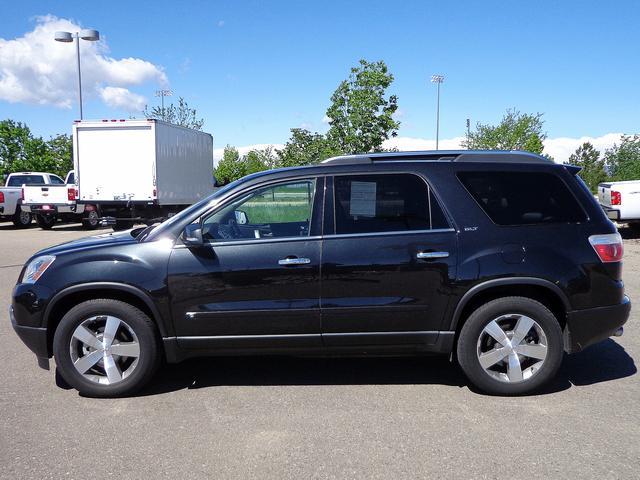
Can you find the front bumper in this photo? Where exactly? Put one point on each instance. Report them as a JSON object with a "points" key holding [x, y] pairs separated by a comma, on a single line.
{"points": [[33, 337], [586, 327]]}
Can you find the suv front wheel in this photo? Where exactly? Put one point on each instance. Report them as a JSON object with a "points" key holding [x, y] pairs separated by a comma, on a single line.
{"points": [[106, 348], [510, 346]]}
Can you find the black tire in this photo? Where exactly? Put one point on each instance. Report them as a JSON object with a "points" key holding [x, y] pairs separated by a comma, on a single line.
{"points": [[21, 219], [141, 325], [92, 220], [467, 348], [46, 222], [635, 226]]}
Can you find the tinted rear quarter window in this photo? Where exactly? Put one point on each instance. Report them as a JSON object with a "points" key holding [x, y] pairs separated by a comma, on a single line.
{"points": [[523, 198]]}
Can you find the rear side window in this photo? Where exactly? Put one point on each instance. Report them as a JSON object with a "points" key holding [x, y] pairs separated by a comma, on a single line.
{"points": [[523, 198], [19, 180], [385, 203]]}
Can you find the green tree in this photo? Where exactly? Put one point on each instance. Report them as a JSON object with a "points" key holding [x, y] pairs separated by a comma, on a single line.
{"points": [[516, 131], [306, 148], [588, 158], [20, 150], [623, 160], [229, 167], [182, 115], [14, 137], [361, 113]]}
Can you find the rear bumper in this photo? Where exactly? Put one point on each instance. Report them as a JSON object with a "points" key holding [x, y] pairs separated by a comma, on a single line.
{"points": [[586, 327], [612, 213]]}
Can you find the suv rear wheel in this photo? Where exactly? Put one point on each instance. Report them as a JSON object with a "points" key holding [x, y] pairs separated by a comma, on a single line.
{"points": [[510, 346], [106, 348]]}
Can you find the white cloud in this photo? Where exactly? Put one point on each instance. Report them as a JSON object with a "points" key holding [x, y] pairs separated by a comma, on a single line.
{"points": [[562, 147], [122, 99], [326, 119], [38, 70]]}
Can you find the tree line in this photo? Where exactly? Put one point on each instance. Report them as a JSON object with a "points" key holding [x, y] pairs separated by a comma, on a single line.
{"points": [[360, 117]]}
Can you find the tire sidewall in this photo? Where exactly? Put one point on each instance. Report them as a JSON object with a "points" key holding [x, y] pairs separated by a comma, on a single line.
{"points": [[92, 221], [478, 320], [45, 222], [137, 321], [17, 220]]}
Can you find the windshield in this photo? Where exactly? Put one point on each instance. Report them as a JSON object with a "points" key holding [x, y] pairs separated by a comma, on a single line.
{"points": [[19, 180], [165, 226]]}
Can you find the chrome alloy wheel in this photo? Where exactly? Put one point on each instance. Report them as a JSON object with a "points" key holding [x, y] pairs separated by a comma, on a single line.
{"points": [[512, 348], [104, 349]]}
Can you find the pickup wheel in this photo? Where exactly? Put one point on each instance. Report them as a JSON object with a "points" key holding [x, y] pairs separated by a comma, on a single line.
{"points": [[106, 348], [510, 346], [22, 219], [92, 221], [46, 222], [635, 226]]}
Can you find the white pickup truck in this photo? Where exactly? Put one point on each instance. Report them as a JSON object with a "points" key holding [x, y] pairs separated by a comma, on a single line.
{"points": [[621, 201], [11, 195], [50, 203]]}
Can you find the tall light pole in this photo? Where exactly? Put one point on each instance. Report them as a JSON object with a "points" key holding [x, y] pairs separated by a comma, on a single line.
{"points": [[66, 37], [437, 79], [162, 94]]}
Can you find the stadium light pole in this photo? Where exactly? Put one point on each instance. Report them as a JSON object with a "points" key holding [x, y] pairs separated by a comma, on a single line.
{"points": [[438, 79], [162, 94], [67, 37]]}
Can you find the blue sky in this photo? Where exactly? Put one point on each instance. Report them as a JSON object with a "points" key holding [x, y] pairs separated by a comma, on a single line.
{"points": [[256, 69]]}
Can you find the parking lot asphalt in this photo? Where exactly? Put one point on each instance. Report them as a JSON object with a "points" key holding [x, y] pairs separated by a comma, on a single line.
{"points": [[318, 418]]}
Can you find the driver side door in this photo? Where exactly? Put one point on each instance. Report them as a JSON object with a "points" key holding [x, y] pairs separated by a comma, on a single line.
{"points": [[256, 281]]}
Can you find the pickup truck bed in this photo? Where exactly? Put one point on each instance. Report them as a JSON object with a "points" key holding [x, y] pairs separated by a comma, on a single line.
{"points": [[621, 201]]}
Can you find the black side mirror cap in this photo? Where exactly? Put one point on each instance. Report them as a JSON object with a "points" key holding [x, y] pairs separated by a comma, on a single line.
{"points": [[192, 235]]}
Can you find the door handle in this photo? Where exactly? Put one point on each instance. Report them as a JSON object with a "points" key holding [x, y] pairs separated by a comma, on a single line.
{"points": [[293, 261], [431, 255]]}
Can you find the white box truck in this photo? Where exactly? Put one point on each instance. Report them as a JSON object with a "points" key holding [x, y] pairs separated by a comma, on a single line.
{"points": [[140, 171]]}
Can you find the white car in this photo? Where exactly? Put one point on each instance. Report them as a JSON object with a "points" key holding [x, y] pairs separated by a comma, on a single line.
{"points": [[621, 201], [11, 195], [49, 203]]}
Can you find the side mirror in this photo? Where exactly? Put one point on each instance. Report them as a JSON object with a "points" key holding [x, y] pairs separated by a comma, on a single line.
{"points": [[241, 217], [192, 235]]}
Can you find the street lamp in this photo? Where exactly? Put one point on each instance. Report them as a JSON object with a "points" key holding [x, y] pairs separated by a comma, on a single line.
{"points": [[437, 79], [66, 37]]}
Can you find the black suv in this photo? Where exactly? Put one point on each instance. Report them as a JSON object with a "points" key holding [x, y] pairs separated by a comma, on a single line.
{"points": [[502, 259]]}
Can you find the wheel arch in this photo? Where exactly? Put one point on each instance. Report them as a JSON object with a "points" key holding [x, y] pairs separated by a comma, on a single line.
{"points": [[544, 291], [66, 299]]}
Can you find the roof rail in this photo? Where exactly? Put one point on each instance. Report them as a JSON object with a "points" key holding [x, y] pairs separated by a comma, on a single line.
{"points": [[470, 156]]}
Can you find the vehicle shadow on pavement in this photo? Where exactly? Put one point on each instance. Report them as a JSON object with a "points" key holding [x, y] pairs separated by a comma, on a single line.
{"points": [[603, 362], [628, 233]]}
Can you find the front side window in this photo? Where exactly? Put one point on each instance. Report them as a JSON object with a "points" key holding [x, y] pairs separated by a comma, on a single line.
{"points": [[523, 198], [282, 210], [385, 203]]}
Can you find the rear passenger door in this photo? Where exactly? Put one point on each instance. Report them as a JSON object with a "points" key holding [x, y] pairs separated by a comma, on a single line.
{"points": [[388, 260]]}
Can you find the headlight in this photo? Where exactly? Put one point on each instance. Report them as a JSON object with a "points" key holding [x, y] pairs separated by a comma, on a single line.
{"points": [[36, 268]]}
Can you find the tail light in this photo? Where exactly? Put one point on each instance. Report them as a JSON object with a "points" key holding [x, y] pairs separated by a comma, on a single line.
{"points": [[608, 247], [71, 194], [1, 197], [616, 198]]}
